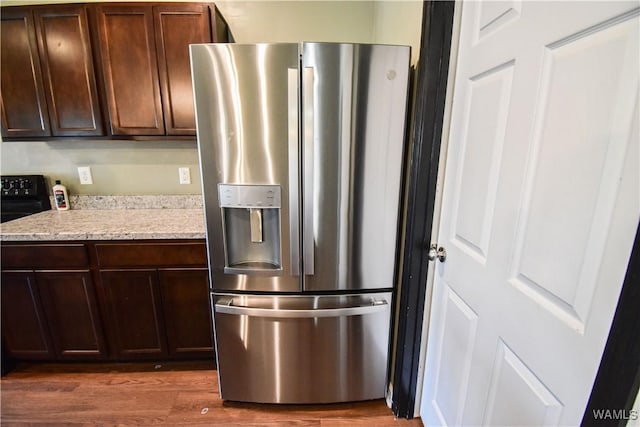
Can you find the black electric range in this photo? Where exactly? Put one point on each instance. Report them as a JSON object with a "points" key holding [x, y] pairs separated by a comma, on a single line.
{"points": [[23, 195]]}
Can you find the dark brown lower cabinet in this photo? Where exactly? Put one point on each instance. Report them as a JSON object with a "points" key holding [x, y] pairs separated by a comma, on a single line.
{"points": [[185, 294], [51, 315], [71, 310], [154, 314], [24, 328], [135, 324], [106, 301]]}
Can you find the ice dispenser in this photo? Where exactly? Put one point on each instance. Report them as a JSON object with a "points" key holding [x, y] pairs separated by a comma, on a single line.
{"points": [[251, 224]]}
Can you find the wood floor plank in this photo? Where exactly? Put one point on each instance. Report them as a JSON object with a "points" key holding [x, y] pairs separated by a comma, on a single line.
{"points": [[169, 394], [207, 409], [56, 386], [379, 421], [87, 407]]}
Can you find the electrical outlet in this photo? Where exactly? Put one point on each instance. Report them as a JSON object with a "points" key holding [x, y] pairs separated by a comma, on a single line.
{"points": [[84, 172], [185, 175]]}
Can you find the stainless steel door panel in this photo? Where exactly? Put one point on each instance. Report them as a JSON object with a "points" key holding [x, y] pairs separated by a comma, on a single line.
{"points": [[275, 350], [246, 119], [352, 163]]}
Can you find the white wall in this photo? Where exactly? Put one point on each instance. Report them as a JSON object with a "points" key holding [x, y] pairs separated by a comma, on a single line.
{"points": [[126, 167], [398, 22], [295, 21]]}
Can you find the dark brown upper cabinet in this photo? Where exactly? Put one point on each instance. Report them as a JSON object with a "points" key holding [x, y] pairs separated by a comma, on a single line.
{"points": [[129, 64], [67, 69], [144, 50], [24, 109], [48, 81], [117, 70], [176, 28]]}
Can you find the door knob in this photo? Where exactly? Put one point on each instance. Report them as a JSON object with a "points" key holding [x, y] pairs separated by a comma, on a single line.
{"points": [[437, 252]]}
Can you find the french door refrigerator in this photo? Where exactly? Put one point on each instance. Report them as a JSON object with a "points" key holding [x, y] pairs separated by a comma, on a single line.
{"points": [[301, 151]]}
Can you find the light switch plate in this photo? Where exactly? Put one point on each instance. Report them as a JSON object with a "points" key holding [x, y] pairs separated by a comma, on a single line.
{"points": [[84, 172], [185, 175]]}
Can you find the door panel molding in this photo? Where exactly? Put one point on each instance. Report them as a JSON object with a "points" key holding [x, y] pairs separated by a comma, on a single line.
{"points": [[481, 152], [493, 16], [456, 325], [511, 379]]}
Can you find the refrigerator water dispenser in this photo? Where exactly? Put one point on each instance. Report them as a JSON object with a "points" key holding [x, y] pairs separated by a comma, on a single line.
{"points": [[251, 226]]}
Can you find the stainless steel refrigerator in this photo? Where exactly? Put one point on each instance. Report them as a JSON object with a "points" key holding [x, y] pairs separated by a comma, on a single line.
{"points": [[301, 152]]}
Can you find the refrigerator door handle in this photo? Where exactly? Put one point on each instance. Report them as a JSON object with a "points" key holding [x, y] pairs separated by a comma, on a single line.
{"points": [[227, 307], [308, 142], [293, 99]]}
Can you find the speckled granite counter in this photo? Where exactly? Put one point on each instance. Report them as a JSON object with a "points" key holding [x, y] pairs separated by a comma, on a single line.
{"points": [[121, 223]]}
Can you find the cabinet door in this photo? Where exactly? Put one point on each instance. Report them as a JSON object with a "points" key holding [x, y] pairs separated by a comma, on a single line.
{"points": [[69, 301], [24, 328], [67, 67], [132, 302], [128, 56], [176, 27], [24, 109], [187, 313]]}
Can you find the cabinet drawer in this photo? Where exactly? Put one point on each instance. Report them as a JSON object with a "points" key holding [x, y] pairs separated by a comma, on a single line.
{"points": [[44, 256], [151, 254]]}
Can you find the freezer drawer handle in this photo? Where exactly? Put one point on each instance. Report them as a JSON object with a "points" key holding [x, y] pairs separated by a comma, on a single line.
{"points": [[225, 306]]}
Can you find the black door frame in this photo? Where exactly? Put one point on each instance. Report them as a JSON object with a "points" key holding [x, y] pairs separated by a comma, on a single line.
{"points": [[431, 89], [618, 378]]}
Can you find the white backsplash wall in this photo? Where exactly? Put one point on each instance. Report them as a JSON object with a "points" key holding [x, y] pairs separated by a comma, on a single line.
{"points": [[151, 167]]}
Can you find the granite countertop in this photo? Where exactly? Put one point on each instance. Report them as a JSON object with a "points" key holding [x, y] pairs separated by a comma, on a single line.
{"points": [[126, 222]]}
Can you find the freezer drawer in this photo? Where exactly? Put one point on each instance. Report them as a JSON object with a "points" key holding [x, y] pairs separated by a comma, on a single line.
{"points": [[302, 349]]}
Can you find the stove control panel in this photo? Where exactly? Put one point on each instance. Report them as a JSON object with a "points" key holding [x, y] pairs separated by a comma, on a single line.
{"points": [[23, 187]]}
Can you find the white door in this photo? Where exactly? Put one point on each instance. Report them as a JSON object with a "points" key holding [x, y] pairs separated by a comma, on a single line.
{"points": [[539, 211]]}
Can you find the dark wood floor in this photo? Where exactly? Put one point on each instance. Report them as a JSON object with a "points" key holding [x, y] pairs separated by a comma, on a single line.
{"points": [[166, 394]]}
